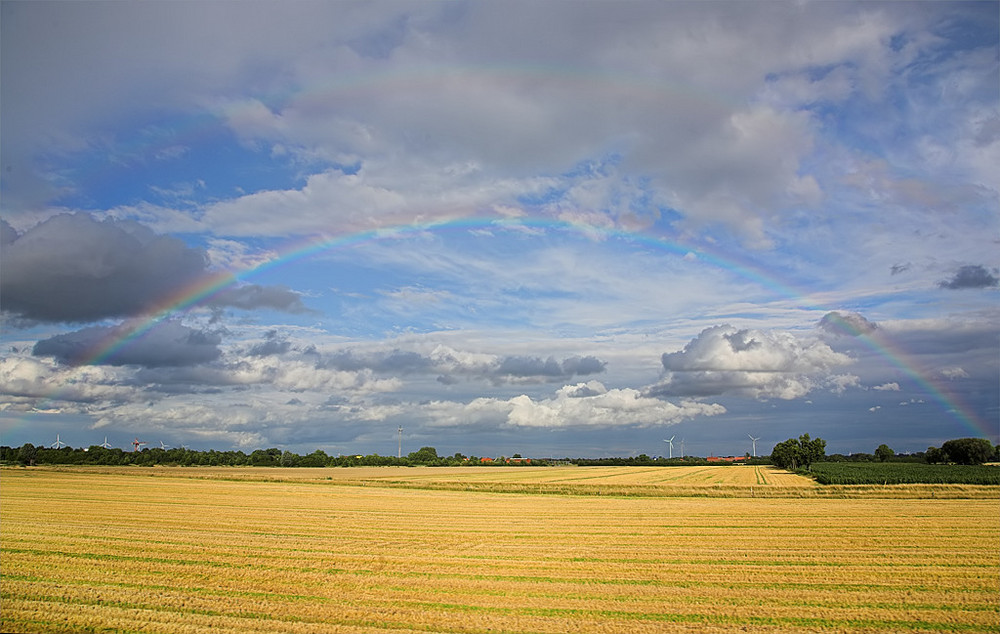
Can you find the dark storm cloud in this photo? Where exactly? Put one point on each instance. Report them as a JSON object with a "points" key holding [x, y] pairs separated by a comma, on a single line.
{"points": [[254, 296], [528, 367], [843, 323], [273, 344], [7, 233], [167, 344], [73, 268], [971, 276]]}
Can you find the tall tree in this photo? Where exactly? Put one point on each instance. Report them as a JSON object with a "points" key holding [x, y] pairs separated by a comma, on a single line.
{"points": [[968, 450], [792, 454], [884, 453]]}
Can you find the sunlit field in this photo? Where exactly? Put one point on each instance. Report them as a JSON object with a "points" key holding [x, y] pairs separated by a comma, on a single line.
{"points": [[239, 550]]}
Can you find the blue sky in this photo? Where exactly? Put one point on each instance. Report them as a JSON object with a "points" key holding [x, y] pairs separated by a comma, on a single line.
{"points": [[556, 228]]}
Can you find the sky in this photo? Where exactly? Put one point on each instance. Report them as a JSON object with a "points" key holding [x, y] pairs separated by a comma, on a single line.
{"points": [[549, 228]]}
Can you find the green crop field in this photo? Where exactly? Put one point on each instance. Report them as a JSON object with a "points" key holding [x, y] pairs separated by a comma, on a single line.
{"points": [[904, 473], [189, 550]]}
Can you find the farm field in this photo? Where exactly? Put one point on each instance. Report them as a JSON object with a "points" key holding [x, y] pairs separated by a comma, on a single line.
{"points": [[84, 550], [904, 473], [701, 481]]}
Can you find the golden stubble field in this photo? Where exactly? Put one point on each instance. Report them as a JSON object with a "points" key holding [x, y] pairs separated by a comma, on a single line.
{"points": [[226, 551]]}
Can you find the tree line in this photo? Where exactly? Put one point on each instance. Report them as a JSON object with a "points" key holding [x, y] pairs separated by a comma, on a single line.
{"points": [[792, 454], [29, 454], [801, 453]]}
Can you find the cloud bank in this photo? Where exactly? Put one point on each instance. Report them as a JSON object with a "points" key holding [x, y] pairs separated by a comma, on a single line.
{"points": [[73, 268]]}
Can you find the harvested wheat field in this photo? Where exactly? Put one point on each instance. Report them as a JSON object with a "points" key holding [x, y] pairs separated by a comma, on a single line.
{"points": [[92, 551]]}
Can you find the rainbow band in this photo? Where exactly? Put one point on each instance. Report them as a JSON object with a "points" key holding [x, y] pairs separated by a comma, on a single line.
{"points": [[214, 283]]}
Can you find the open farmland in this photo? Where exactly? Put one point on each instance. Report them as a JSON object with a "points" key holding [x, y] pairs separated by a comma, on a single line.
{"points": [[188, 551]]}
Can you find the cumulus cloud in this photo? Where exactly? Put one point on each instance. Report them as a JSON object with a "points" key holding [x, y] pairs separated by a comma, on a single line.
{"points": [[761, 364], [73, 268], [610, 408], [26, 381], [588, 404], [846, 323], [169, 343], [971, 276], [887, 387], [839, 383]]}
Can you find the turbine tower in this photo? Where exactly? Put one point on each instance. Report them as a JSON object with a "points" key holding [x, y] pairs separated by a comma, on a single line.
{"points": [[671, 443], [754, 444], [399, 452], [105, 443], [58, 444]]}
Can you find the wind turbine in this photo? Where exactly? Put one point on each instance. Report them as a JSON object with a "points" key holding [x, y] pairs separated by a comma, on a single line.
{"points": [[105, 443], [754, 444], [58, 443], [671, 443], [162, 446], [136, 443], [399, 453]]}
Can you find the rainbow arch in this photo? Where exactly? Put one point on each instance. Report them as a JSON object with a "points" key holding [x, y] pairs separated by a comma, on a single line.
{"points": [[191, 296]]}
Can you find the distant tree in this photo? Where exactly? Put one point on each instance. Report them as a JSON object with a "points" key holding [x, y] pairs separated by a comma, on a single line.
{"points": [[933, 455], [884, 453], [786, 454], [262, 458], [27, 454], [317, 458], [812, 450], [425, 455], [793, 454], [968, 450]]}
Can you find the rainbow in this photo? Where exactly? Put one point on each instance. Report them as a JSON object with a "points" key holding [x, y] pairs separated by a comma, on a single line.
{"points": [[373, 84], [902, 361], [193, 295]]}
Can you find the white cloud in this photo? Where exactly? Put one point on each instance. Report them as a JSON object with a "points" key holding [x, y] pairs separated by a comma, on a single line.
{"points": [[27, 382], [839, 383], [887, 387], [761, 364], [581, 405], [954, 373]]}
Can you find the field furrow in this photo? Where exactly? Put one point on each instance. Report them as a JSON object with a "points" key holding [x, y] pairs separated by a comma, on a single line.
{"points": [[79, 553]]}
